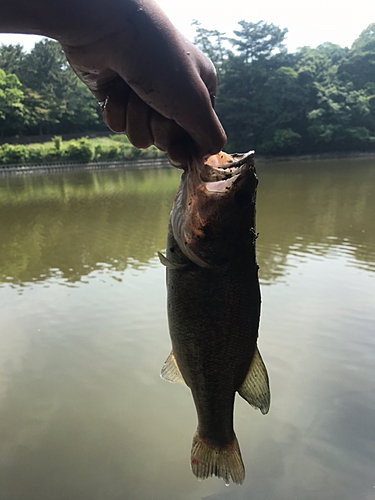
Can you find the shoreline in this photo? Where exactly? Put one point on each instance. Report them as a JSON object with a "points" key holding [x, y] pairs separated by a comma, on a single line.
{"points": [[49, 168], [46, 168], [315, 157]]}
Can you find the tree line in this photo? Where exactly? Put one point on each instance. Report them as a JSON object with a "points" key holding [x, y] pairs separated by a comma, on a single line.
{"points": [[40, 94], [310, 101]]}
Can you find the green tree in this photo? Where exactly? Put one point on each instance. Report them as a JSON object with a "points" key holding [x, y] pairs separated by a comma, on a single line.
{"points": [[245, 72], [56, 100], [340, 119], [11, 102], [79, 150], [211, 43], [366, 40], [46, 72], [258, 40], [46, 65], [12, 58], [82, 111], [333, 51], [36, 112], [314, 65], [313, 100], [358, 66], [284, 112]]}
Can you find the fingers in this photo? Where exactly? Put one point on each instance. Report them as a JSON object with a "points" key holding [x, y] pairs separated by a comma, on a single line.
{"points": [[155, 86], [184, 98], [200, 119], [125, 112], [205, 130], [192, 128], [171, 138], [116, 101], [138, 127]]}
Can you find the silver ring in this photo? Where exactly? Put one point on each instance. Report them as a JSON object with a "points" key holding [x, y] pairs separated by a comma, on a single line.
{"points": [[103, 104]]}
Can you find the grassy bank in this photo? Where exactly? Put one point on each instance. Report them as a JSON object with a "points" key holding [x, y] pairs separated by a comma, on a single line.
{"points": [[113, 147]]}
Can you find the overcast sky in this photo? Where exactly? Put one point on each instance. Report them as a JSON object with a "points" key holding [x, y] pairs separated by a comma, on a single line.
{"points": [[309, 23]]}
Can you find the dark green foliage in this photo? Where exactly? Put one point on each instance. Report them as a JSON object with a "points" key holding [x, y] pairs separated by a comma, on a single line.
{"points": [[34, 156], [244, 75], [80, 150], [212, 43], [53, 99], [120, 150], [13, 154], [366, 40], [333, 51], [12, 58], [312, 101], [11, 101], [358, 68], [259, 40]]}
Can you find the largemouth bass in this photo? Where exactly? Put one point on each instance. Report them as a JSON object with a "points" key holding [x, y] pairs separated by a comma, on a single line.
{"points": [[214, 305]]}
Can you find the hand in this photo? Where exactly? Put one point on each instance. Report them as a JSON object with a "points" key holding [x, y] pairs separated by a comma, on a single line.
{"points": [[153, 84]]}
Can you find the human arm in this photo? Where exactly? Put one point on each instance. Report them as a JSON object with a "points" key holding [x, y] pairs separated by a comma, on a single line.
{"points": [[157, 86]]}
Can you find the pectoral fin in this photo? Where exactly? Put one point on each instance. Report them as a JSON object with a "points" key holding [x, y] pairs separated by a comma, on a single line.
{"points": [[255, 388], [171, 265], [171, 371]]}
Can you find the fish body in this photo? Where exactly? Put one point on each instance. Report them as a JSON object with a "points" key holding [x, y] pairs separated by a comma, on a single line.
{"points": [[214, 305]]}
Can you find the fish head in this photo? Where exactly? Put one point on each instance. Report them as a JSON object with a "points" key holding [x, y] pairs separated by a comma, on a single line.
{"points": [[213, 217]]}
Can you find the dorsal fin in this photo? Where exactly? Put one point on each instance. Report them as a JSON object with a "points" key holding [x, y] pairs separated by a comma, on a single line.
{"points": [[171, 371], [255, 388]]}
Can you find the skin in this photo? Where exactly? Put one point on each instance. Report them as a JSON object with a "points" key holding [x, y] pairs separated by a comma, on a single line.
{"points": [[153, 84], [213, 319], [213, 311]]}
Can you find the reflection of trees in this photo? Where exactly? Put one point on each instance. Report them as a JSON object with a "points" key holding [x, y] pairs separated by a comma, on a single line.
{"points": [[313, 208], [76, 223], [73, 224]]}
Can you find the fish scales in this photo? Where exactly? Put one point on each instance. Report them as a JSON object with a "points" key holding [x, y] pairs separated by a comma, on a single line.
{"points": [[213, 361], [214, 305]]}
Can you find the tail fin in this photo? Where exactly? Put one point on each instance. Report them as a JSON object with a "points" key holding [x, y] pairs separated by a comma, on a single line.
{"points": [[225, 463]]}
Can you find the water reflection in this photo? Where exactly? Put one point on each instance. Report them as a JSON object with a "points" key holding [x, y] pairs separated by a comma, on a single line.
{"points": [[315, 209], [83, 412], [71, 224], [68, 226]]}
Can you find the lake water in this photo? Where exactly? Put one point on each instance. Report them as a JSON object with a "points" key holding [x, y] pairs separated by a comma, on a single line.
{"points": [[84, 414]]}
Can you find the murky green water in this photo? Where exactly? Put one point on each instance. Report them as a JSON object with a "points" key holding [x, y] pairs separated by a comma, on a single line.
{"points": [[84, 414]]}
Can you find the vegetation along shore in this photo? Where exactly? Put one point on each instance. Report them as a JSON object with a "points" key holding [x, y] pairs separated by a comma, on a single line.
{"points": [[83, 150], [313, 101]]}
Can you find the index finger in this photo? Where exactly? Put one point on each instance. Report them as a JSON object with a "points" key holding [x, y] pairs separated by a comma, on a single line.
{"points": [[199, 119]]}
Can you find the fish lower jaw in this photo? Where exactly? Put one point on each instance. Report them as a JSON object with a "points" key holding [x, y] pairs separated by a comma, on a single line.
{"points": [[221, 186]]}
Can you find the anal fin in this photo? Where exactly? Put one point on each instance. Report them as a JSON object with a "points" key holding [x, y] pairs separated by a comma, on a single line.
{"points": [[170, 371], [255, 388]]}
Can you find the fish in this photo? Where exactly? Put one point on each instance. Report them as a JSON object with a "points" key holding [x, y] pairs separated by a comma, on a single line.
{"points": [[213, 305]]}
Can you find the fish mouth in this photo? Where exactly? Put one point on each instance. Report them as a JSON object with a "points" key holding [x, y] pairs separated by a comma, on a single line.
{"points": [[221, 186], [220, 171], [213, 206]]}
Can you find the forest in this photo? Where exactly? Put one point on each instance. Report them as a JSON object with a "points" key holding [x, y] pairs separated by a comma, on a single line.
{"points": [[315, 100]]}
